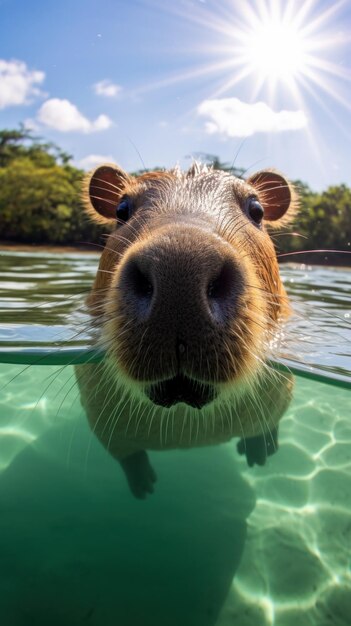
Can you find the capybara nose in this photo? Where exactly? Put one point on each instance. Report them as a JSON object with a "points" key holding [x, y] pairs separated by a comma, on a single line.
{"points": [[173, 282]]}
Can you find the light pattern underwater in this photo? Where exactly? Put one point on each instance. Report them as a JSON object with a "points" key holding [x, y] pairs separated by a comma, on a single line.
{"points": [[218, 543]]}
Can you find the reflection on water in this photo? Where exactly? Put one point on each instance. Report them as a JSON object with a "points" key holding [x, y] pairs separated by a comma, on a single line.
{"points": [[40, 294], [39, 297], [319, 332]]}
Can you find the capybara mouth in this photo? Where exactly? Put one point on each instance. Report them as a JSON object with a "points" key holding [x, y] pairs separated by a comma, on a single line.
{"points": [[181, 389]]}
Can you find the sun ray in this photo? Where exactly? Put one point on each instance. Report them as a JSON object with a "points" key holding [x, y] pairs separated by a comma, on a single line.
{"points": [[321, 103], [205, 69], [284, 54], [270, 42]]}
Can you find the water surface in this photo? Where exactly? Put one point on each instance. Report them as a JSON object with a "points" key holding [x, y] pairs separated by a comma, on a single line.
{"points": [[218, 543], [42, 304]]}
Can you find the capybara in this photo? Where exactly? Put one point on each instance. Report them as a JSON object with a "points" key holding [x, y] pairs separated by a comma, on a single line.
{"points": [[187, 303]]}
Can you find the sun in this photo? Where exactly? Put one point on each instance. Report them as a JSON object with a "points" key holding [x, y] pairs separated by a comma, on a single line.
{"points": [[274, 46], [277, 43], [276, 51]]}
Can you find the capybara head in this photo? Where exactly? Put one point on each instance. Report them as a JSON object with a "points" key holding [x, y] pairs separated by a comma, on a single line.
{"points": [[188, 294]]}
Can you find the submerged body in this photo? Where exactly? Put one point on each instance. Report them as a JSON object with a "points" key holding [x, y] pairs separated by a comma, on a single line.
{"points": [[187, 301]]}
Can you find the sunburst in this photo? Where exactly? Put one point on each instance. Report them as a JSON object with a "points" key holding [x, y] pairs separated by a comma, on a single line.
{"points": [[276, 45], [281, 45], [275, 49]]}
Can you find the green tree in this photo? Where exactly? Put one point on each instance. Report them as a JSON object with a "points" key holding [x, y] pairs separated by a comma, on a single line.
{"points": [[40, 193], [40, 202], [215, 161], [322, 222]]}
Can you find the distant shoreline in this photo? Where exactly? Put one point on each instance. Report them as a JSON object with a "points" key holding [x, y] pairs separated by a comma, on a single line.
{"points": [[318, 258], [52, 248]]}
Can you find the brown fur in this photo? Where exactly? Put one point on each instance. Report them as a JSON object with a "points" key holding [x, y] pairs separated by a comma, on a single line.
{"points": [[187, 231]]}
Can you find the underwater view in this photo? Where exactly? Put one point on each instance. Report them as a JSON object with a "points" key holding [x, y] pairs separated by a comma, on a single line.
{"points": [[218, 543], [175, 313]]}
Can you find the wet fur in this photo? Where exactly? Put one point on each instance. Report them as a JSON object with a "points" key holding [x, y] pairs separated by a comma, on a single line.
{"points": [[193, 222]]}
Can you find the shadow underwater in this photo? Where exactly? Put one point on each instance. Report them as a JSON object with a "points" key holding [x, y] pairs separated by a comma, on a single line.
{"points": [[77, 548]]}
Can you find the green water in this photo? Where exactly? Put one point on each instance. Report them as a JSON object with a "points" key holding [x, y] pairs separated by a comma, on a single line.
{"points": [[218, 543]]}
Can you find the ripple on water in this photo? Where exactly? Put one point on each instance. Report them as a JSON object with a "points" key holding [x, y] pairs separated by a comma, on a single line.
{"points": [[332, 486], [285, 491], [291, 460], [296, 567], [334, 608], [285, 567], [338, 455], [312, 441]]}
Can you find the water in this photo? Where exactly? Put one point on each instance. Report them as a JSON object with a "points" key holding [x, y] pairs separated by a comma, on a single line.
{"points": [[40, 295], [218, 543]]}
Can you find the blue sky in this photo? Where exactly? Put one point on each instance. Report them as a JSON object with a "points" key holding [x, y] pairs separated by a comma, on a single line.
{"points": [[266, 82]]}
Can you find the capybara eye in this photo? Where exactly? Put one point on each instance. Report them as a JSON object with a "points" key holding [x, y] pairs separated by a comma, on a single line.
{"points": [[254, 210], [123, 211]]}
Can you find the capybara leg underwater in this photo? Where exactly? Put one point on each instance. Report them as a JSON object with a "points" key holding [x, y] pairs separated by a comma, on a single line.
{"points": [[140, 473], [257, 449]]}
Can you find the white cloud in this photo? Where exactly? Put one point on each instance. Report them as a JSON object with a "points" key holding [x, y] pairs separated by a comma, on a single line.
{"points": [[107, 88], [233, 118], [18, 83], [64, 116], [93, 160]]}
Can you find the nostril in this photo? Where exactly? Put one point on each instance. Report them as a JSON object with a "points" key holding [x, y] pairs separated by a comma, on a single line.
{"points": [[223, 291], [221, 287], [140, 283], [137, 289]]}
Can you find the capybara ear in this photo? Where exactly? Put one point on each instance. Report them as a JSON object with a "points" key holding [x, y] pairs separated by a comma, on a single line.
{"points": [[103, 189], [276, 195]]}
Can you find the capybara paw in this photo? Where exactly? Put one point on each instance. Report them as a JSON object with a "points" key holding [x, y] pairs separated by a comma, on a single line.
{"points": [[140, 474], [257, 449]]}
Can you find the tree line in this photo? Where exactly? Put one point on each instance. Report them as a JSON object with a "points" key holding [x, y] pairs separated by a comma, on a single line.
{"points": [[40, 203]]}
